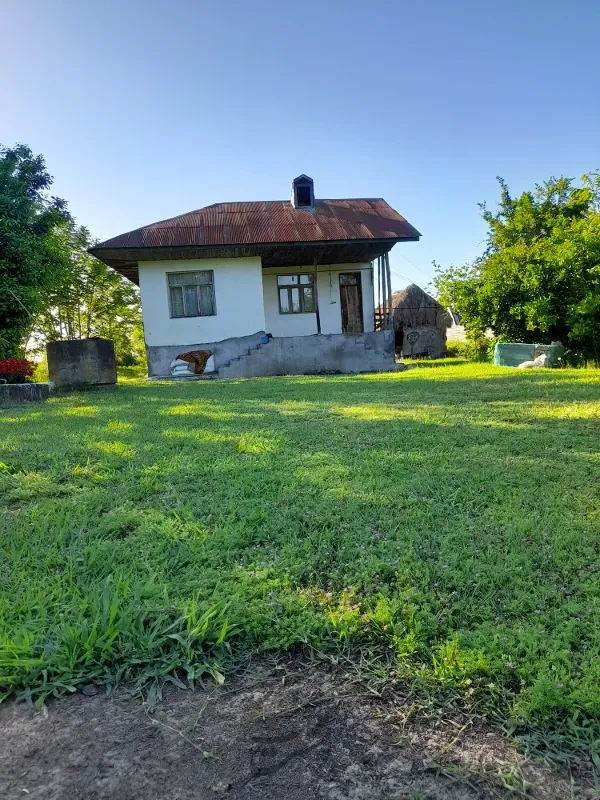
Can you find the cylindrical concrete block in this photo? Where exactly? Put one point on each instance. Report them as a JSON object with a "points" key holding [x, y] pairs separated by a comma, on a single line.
{"points": [[82, 362]]}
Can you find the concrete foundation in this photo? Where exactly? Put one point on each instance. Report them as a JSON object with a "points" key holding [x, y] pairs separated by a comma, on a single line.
{"points": [[159, 358], [247, 357], [13, 394], [82, 362]]}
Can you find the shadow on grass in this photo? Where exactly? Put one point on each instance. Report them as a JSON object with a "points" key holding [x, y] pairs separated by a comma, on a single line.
{"points": [[444, 522], [429, 363]]}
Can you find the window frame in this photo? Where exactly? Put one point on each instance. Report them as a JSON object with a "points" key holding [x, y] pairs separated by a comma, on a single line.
{"points": [[304, 191], [303, 183], [196, 285], [299, 286]]}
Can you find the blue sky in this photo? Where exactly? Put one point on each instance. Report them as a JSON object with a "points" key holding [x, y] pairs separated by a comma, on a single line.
{"points": [[147, 110]]}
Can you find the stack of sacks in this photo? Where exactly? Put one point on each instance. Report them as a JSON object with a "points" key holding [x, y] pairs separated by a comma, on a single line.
{"points": [[180, 368], [210, 365]]}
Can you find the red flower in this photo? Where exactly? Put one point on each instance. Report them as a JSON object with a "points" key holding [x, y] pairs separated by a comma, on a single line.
{"points": [[13, 369]]}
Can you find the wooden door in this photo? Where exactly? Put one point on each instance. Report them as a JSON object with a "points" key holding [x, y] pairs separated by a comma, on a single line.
{"points": [[351, 302]]}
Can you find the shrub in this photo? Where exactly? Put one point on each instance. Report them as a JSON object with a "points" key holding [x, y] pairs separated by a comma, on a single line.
{"points": [[480, 348], [127, 360], [40, 370], [15, 370], [456, 349], [575, 358]]}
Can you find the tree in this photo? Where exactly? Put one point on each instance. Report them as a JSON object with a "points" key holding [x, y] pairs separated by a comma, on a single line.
{"points": [[538, 279], [30, 251], [87, 299]]}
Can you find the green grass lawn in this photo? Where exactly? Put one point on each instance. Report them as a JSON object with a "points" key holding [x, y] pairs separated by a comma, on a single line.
{"points": [[442, 521]]}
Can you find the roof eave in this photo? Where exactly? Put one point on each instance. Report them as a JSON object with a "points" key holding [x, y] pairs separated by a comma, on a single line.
{"points": [[99, 250], [125, 259]]}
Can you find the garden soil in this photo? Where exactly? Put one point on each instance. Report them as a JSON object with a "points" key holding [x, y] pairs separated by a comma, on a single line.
{"points": [[274, 732]]}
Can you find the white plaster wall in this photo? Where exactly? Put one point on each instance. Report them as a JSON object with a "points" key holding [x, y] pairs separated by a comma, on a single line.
{"points": [[328, 286], [238, 301]]}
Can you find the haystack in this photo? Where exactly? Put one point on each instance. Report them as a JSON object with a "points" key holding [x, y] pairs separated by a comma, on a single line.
{"points": [[420, 323]]}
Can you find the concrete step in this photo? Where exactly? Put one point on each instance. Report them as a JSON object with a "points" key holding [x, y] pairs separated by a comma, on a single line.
{"points": [[242, 357]]}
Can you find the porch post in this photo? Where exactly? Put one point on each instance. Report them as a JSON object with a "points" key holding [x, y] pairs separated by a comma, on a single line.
{"points": [[390, 324], [379, 307], [383, 294], [316, 294]]}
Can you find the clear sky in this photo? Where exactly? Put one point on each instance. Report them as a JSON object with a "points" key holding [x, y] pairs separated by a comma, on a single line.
{"points": [[145, 110]]}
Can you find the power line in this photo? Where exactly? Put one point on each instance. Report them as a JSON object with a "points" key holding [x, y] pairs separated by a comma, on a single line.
{"points": [[416, 266], [399, 275], [403, 277]]}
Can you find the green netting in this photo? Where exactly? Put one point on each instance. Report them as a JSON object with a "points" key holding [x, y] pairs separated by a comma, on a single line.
{"points": [[511, 354]]}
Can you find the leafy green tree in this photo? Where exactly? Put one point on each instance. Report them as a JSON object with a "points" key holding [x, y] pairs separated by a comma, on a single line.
{"points": [[31, 255], [90, 299], [538, 279]]}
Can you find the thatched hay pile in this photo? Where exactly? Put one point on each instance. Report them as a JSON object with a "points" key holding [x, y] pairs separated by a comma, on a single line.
{"points": [[414, 308], [420, 323]]}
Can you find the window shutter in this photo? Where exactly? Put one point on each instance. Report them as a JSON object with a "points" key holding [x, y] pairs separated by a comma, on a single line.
{"points": [[192, 294], [191, 278], [176, 301], [190, 300], [206, 304]]}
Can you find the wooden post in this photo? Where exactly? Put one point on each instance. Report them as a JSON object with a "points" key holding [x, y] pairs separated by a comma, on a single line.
{"points": [[383, 296], [379, 306], [382, 288], [316, 294], [375, 296], [389, 290]]}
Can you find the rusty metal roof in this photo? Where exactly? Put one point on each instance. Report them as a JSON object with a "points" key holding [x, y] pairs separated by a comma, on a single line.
{"points": [[331, 232], [269, 223]]}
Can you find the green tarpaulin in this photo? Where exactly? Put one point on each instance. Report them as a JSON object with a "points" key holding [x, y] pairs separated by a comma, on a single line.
{"points": [[511, 354]]}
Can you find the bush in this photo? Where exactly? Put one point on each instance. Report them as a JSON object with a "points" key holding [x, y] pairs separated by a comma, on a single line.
{"points": [[127, 360], [480, 348], [16, 370], [456, 349], [575, 358], [40, 370]]}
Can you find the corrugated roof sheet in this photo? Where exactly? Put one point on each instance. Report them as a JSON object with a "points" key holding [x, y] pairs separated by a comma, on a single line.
{"points": [[271, 222]]}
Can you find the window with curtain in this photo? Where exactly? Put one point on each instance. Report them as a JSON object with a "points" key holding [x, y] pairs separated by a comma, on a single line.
{"points": [[296, 294], [191, 294]]}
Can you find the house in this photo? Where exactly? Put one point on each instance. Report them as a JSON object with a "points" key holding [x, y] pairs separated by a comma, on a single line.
{"points": [[456, 330], [266, 288]]}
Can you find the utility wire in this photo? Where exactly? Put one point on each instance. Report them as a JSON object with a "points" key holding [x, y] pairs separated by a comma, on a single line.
{"points": [[399, 275], [416, 266]]}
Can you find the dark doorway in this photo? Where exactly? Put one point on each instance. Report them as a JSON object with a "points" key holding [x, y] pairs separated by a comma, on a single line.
{"points": [[399, 339], [351, 300]]}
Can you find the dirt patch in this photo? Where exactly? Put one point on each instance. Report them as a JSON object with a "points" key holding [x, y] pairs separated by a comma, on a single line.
{"points": [[272, 733]]}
